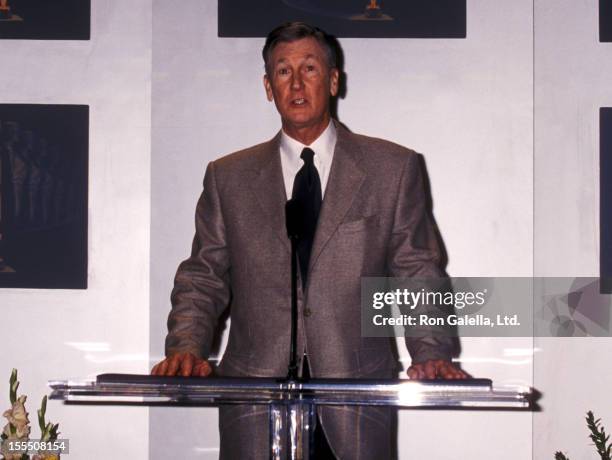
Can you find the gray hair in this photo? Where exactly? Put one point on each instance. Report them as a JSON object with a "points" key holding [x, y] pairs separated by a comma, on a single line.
{"points": [[294, 31]]}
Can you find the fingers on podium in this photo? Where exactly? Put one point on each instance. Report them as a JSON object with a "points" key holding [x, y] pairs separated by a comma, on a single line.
{"points": [[416, 372], [433, 369], [183, 364], [174, 364], [202, 369], [160, 368], [449, 371]]}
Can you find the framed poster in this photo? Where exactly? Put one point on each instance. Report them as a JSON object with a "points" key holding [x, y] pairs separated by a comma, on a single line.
{"points": [[43, 195], [605, 198], [45, 19], [347, 18], [605, 20]]}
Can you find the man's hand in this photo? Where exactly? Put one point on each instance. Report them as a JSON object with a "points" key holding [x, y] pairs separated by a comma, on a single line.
{"points": [[435, 369], [183, 364]]}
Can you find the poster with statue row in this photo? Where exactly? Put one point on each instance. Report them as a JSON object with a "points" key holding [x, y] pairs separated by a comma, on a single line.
{"points": [[45, 20], [43, 195]]}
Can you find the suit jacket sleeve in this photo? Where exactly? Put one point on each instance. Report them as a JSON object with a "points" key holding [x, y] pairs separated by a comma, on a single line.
{"points": [[414, 251], [201, 286]]}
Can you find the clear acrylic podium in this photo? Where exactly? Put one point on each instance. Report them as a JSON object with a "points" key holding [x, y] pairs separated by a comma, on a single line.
{"points": [[291, 405]]}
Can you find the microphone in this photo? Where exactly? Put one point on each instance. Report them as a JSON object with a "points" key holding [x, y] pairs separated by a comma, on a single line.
{"points": [[294, 219]]}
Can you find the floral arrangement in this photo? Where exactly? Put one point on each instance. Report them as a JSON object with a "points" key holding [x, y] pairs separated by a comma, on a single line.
{"points": [[17, 429]]}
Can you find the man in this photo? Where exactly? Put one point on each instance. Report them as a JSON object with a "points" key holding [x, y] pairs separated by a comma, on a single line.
{"points": [[372, 222]]}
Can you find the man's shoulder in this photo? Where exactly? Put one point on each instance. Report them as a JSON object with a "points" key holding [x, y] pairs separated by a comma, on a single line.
{"points": [[378, 150], [247, 158]]}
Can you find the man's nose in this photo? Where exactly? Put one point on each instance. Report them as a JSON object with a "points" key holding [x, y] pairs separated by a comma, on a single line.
{"points": [[296, 81]]}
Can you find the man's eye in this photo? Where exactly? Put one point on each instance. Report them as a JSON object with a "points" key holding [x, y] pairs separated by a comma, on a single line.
{"points": [[310, 68], [283, 71]]}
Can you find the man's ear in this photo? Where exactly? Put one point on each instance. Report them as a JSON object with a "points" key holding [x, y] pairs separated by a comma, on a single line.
{"points": [[334, 81], [268, 87]]}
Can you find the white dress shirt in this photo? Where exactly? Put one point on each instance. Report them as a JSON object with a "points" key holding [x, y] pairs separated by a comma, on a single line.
{"points": [[323, 148]]}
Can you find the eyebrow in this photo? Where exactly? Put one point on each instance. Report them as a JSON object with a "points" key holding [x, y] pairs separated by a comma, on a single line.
{"points": [[283, 60]]}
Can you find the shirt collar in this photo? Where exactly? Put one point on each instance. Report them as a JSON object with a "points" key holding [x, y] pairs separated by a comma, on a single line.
{"points": [[323, 146]]}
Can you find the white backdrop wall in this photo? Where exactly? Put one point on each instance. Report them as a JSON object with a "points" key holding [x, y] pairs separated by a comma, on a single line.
{"points": [[50, 334], [467, 105], [572, 81]]}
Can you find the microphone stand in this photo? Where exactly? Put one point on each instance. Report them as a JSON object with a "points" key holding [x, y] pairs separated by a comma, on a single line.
{"points": [[294, 217], [299, 419]]}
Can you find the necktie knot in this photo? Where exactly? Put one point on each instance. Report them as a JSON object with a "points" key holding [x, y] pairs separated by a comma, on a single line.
{"points": [[307, 155]]}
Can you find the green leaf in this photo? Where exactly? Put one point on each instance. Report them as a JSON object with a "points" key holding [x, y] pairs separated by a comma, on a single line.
{"points": [[41, 413], [54, 432], [13, 387], [43, 405], [41, 420], [598, 436]]}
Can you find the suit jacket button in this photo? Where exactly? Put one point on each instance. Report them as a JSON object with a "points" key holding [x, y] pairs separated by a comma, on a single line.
{"points": [[307, 312]]}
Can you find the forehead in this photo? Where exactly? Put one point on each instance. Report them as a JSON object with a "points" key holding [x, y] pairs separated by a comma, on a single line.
{"points": [[298, 49]]}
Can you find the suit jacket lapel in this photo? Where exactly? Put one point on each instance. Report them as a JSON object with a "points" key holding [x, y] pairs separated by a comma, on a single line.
{"points": [[269, 188], [345, 180]]}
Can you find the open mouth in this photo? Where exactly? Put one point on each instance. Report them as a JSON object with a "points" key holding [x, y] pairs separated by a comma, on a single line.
{"points": [[299, 101]]}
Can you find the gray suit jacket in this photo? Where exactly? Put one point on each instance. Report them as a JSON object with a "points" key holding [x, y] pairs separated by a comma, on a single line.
{"points": [[373, 222]]}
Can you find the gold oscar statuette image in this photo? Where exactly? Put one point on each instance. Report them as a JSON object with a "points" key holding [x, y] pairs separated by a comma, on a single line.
{"points": [[6, 14], [373, 9], [5, 10]]}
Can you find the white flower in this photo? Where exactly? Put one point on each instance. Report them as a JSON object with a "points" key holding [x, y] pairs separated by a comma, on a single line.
{"points": [[18, 417]]}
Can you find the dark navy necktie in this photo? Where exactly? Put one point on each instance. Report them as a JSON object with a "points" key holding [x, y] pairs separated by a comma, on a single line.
{"points": [[307, 191]]}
